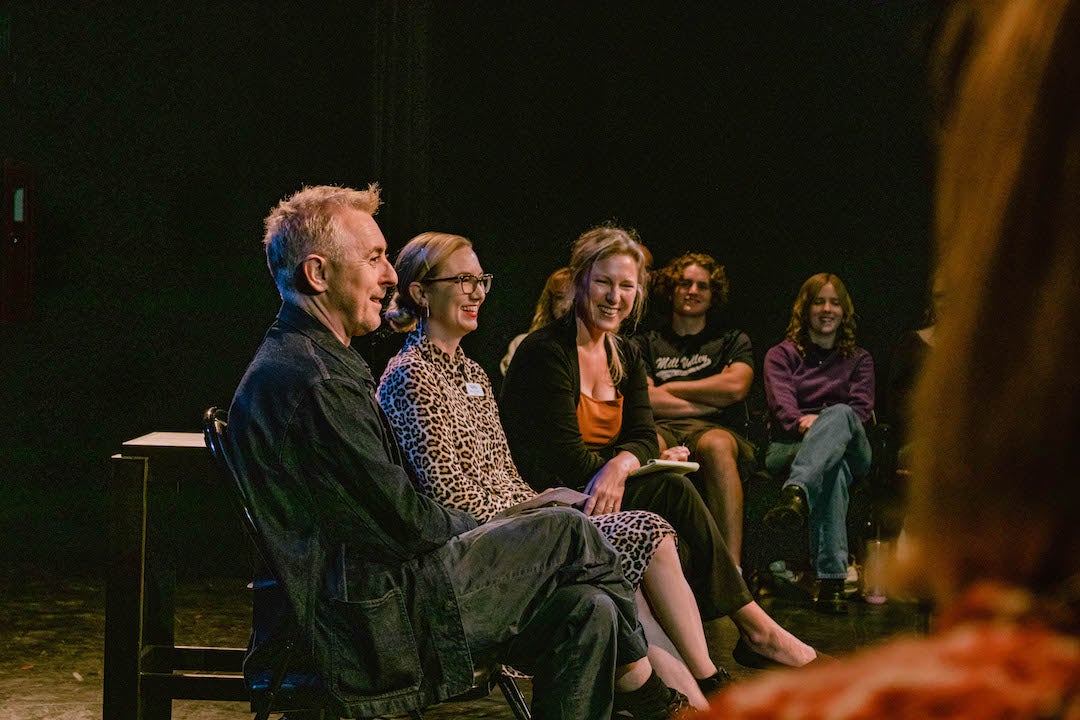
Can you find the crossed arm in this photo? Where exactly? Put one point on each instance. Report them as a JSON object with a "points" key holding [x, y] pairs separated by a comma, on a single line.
{"points": [[692, 398]]}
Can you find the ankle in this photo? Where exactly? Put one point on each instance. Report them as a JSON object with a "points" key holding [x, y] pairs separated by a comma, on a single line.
{"points": [[629, 678], [756, 636], [703, 672], [653, 690]]}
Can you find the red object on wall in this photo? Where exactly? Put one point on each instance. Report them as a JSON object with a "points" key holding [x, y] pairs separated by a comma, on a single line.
{"points": [[17, 236]]}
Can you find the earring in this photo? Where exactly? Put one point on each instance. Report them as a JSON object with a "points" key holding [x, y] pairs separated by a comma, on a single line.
{"points": [[427, 311]]}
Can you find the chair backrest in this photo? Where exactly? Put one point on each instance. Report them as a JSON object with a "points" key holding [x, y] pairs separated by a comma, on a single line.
{"points": [[215, 423], [215, 427]]}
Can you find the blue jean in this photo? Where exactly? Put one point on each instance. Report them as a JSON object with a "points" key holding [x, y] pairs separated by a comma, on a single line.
{"points": [[833, 451]]}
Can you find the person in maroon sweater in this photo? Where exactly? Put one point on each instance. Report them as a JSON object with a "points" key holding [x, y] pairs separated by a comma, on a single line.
{"points": [[820, 390]]}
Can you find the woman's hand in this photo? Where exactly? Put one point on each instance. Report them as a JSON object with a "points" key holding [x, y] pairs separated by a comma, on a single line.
{"points": [[679, 452], [607, 486], [805, 422]]}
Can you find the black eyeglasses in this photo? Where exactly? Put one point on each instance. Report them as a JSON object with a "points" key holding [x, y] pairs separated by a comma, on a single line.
{"points": [[467, 283]]}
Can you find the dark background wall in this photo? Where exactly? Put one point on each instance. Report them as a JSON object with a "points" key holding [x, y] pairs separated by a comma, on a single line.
{"points": [[784, 138]]}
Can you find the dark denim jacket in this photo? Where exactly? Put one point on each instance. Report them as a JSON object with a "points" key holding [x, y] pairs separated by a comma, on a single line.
{"points": [[345, 532]]}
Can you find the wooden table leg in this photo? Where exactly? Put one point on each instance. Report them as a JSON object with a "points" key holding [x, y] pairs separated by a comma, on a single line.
{"points": [[140, 606], [126, 518], [159, 576]]}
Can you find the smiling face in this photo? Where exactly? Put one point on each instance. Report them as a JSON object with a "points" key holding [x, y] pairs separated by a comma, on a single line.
{"points": [[612, 289], [357, 280], [826, 314], [692, 295], [454, 314]]}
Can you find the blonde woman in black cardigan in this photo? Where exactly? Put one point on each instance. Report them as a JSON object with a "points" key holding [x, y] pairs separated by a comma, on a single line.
{"points": [[575, 406]]}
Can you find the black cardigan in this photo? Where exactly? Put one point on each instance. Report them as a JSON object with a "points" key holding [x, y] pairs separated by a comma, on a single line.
{"points": [[539, 410]]}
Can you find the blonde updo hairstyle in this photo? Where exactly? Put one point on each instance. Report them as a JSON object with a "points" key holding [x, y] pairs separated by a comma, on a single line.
{"points": [[419, 259]]}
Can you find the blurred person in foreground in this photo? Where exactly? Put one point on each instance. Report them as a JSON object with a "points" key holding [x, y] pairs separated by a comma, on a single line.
{"points": [[997, 411]]}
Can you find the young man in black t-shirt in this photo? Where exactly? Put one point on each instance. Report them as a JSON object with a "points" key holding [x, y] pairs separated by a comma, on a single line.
{"points": [[699, 375]]}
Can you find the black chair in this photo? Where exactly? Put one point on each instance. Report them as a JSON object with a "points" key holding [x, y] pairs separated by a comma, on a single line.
{"points": [[289, 685], [869, 512], [285, 685]]}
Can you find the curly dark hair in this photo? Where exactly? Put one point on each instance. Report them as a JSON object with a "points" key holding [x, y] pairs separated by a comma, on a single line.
{"points": [[665, 279], [798, 329]]}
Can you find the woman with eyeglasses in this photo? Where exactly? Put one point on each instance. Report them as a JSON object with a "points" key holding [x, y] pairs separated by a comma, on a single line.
{"points": [[576, 410], [442, 410]]}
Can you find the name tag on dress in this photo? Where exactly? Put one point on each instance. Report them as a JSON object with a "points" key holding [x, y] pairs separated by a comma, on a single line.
{"points": [[474, 389]]}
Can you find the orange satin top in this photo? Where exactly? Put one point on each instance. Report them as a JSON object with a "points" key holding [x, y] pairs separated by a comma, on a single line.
{"points": [[600, 420]]}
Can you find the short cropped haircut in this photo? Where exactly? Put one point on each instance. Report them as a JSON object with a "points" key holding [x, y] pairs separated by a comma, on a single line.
{"points": [[306, 223]]}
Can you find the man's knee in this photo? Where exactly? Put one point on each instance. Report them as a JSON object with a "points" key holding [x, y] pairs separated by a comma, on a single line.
{"points": [[594, 606], [579, 619], [717, 444], [588, 615]]}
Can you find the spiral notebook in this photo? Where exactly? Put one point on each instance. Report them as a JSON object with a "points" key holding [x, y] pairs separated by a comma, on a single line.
{"points": [[655, 465]]}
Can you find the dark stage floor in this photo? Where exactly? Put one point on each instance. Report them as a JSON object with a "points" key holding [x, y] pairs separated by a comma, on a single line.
{"points": [[51, 643]]}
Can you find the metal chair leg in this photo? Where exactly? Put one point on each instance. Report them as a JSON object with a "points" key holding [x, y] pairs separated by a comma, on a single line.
{"points": [[275, 683], [514, 698]]}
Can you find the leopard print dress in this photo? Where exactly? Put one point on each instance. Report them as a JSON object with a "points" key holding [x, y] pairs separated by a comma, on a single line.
{"points": [[445, 419]]}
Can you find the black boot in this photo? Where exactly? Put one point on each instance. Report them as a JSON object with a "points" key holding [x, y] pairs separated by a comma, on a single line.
{"points": [[714, 683], [652, 701], [790, 512], [830, 598]]}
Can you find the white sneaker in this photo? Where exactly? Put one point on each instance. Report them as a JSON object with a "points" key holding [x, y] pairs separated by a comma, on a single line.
{"points": [[851, 581]]}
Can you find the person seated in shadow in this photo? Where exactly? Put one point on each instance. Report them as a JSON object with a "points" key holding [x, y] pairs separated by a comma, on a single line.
{"points": [[442, 410], [698, 369], [994, 507], [908, 358], [575, 407], [398, 600], [553, 303], [905, 365], [820, 390]]}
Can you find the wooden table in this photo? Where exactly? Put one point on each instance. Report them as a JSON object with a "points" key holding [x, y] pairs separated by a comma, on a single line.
{"points": [[144, 669]]}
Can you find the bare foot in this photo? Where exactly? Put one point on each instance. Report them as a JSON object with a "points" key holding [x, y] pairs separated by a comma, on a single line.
{"points": [[782, 648], [761, 634]]}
